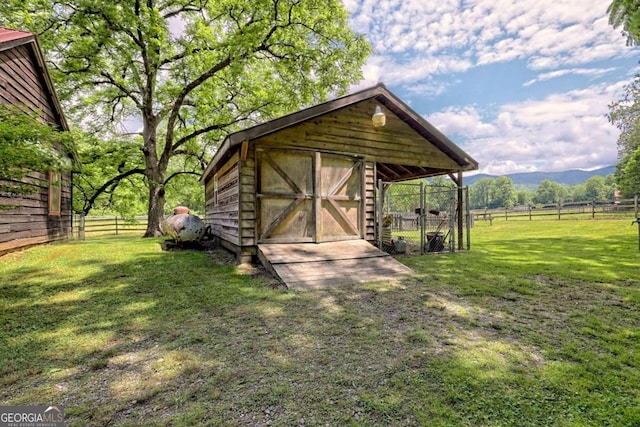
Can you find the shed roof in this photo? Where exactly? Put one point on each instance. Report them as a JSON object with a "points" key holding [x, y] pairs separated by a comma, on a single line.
{"points": [[379, 94], [10, 39]]}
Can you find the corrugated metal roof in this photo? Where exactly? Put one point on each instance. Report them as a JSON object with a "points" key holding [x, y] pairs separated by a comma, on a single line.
{"points": [[7, 35]]}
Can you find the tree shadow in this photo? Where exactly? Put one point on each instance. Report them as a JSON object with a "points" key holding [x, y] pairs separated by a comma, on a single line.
{"points": [[507, 334]]}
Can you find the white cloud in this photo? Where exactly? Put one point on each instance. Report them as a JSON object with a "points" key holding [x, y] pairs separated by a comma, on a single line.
{"points": [[592, 72], [427, 47], [562, 131], [547, 33]]}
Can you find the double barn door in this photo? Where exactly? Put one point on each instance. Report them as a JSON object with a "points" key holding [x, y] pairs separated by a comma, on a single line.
{"points": [[306, 196]]}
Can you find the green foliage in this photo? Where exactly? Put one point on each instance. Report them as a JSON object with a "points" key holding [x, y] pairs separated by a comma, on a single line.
{"points": [[492, 193], [499, 192], [27, 144], [625, 115], [549, 192], [185, 73], [626, 14], [628, 174]]}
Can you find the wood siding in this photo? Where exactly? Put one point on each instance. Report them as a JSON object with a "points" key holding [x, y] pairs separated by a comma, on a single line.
{"points": [[21, 85], [349, 131], [222, 211], [25, 220], [370, 201]]}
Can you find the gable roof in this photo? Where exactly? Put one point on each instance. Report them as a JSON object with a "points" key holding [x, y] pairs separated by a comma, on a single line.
{"points": [[379, 94], [10, 39]]}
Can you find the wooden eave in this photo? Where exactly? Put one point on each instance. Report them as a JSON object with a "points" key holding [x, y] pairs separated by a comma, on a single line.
{"points": [[10, 39], [378, 94]]}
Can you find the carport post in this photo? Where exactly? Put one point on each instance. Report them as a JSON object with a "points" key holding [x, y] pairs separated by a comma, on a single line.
{"points": [[380, 216], [422, 217]]}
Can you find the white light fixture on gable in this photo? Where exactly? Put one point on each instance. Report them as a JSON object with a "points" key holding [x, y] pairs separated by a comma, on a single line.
{"points": [[378, 118]]}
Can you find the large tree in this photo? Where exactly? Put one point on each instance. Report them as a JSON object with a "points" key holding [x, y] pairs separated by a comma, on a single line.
{"points": [[183, 73], [625, 115]]}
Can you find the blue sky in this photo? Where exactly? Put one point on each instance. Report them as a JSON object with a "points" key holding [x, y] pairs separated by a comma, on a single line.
{"points": [[521, 86]]}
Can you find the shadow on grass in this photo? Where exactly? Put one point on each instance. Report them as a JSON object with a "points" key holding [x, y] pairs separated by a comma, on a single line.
{"points": [[498, 336]]}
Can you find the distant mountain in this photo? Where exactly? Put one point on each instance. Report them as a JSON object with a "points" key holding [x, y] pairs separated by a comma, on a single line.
{"points": [[531, 180]]}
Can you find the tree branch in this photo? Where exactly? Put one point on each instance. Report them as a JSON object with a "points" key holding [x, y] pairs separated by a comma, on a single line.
{"points": [[175, 174], [112, 182]]}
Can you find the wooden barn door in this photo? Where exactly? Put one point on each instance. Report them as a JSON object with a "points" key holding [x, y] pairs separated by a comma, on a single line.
{"points": [[308, 197], [340, 207]]}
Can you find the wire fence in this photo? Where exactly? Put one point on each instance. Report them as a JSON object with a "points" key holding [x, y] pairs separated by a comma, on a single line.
{"points": [[596, 209], [107, 225], [424, 219]]}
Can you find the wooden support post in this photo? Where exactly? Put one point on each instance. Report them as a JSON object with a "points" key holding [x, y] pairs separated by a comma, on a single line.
{"points": [[244, 149], [422, 217], [380, 207], [468, 216], [460, 212]]}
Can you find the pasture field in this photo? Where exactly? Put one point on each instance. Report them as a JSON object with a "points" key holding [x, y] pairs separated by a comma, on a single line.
{"points": [[538, 325]]}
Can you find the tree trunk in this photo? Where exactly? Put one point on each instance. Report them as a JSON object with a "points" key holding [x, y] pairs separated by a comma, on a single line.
{"points": [[155, 212], [155, 173]]}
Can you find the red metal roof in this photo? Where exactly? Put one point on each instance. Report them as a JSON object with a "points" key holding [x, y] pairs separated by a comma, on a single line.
{"points": [[7, 35]]}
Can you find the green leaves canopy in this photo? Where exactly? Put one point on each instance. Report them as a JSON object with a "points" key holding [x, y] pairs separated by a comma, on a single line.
{"points": [[625, 115], [27, 144], [626, 14], [184, 73]]}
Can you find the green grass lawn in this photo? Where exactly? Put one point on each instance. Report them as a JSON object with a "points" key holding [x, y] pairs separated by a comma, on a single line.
{"points": [[539, 325]]}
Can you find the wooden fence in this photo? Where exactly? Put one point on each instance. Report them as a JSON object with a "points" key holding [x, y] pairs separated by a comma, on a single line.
{"points": [[573, 210], [107, 225]]}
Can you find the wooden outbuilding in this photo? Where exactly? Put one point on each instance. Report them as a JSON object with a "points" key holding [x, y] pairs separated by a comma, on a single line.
{"points": [[310, 176], [44, 215]]}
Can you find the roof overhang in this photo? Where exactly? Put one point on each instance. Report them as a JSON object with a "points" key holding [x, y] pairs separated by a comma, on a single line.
{"points": [[379, 94], [10, 39]]}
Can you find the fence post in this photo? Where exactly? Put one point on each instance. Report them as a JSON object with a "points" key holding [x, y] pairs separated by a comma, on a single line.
{"points": [[81, 227], [116, 225], [593, 209], [530, 212], [559, 209], [635, 205]]}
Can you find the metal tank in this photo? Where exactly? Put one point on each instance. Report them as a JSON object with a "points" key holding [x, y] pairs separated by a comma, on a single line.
{"points": [[183, 226]]}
